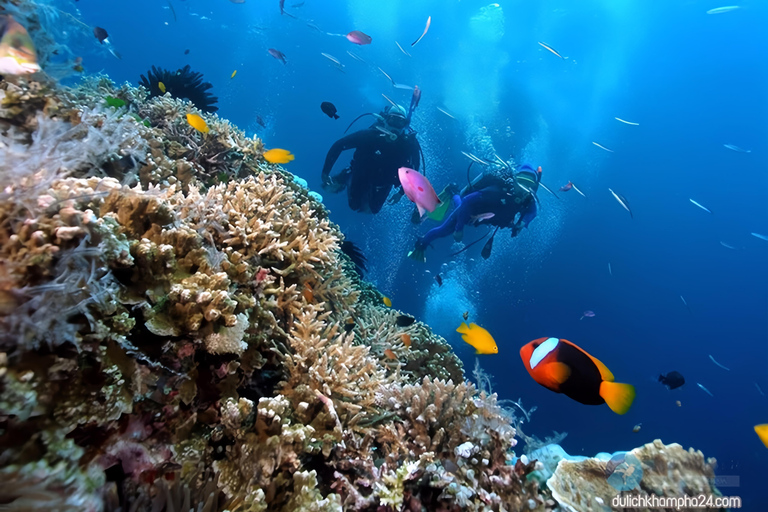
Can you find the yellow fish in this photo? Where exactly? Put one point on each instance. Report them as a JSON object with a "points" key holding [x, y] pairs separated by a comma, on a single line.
{"points": [[161, 86], [478, 338], [233, 74], [386, 301], [762, 433], [197, 122], [278, 156]]}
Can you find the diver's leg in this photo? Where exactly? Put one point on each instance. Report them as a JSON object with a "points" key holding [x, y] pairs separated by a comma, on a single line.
{"points": [[357, 190], [440, 231], [443, 230], [379, 195], [469, 204]]}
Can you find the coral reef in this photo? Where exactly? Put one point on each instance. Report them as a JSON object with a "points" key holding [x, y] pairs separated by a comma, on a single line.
{"points": [[655, 469], [173, 338], [181, 330]]}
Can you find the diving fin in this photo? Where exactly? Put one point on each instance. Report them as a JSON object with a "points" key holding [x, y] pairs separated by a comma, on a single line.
{"points": [[486, 252], [418, 255]]}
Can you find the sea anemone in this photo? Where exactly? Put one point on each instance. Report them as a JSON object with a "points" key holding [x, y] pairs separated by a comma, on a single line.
{"points": [[182, 83]]}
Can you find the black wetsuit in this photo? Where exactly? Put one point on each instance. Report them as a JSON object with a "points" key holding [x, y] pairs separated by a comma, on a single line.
{"points": [[374, 165]]}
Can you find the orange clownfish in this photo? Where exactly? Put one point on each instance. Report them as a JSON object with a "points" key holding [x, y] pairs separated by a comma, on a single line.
{"points": [[562, 367]]}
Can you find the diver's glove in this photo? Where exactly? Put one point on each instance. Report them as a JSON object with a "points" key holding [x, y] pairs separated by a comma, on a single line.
{"points": [[332, 186], [418, 252], [517, 225]]}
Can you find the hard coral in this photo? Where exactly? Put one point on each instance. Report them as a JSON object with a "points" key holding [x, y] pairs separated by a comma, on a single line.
{"points": [[182, 83], [428, 355], [324, 365], [667, 470]]}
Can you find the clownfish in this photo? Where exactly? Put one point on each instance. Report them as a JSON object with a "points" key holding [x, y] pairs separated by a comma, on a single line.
{"points": [[563, 367]]}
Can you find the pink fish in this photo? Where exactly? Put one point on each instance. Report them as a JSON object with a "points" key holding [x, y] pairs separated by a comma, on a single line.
{"points": [[481, 217], [418, 189], [588, 314], [358, 37], [277, 54]]}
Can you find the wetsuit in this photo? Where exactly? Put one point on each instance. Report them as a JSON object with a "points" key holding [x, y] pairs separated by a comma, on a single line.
{"points": [[489, 200], [373, 170]]}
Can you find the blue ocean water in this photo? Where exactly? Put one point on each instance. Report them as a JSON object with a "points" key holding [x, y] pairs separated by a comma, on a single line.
{"points": [[692, 81]]}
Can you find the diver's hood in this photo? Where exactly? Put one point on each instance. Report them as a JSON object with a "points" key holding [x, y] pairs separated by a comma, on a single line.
{"points": [[395, 117], [527, 177]]}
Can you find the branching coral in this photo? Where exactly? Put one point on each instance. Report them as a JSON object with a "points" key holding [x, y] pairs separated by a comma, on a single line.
{"points": [[418, 351], [324, 363], [430, 417]]}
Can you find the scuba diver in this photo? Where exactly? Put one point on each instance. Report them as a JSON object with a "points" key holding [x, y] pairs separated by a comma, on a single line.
{"points": [[490, 199], [380, 150]]}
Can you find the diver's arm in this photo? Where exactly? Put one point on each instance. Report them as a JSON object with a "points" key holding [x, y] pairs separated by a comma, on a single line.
{"points": [[351, 141], [526, 217]]}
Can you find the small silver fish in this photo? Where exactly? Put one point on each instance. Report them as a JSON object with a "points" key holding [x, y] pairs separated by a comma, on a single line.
{"points": [[401, 49], [609, 269], [736, 148], [312, 25], [356, 57], [622, 201], [727, 246], [761, 237], [444, 112], [335, 61], [386, 75], [331, 58], [577, 190], [627, 122], [700, 206], [705, 390], [718, 364], [602, 147], [426, 29], [686, 305], [683, 299], [547, 47], [721, 10]]}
